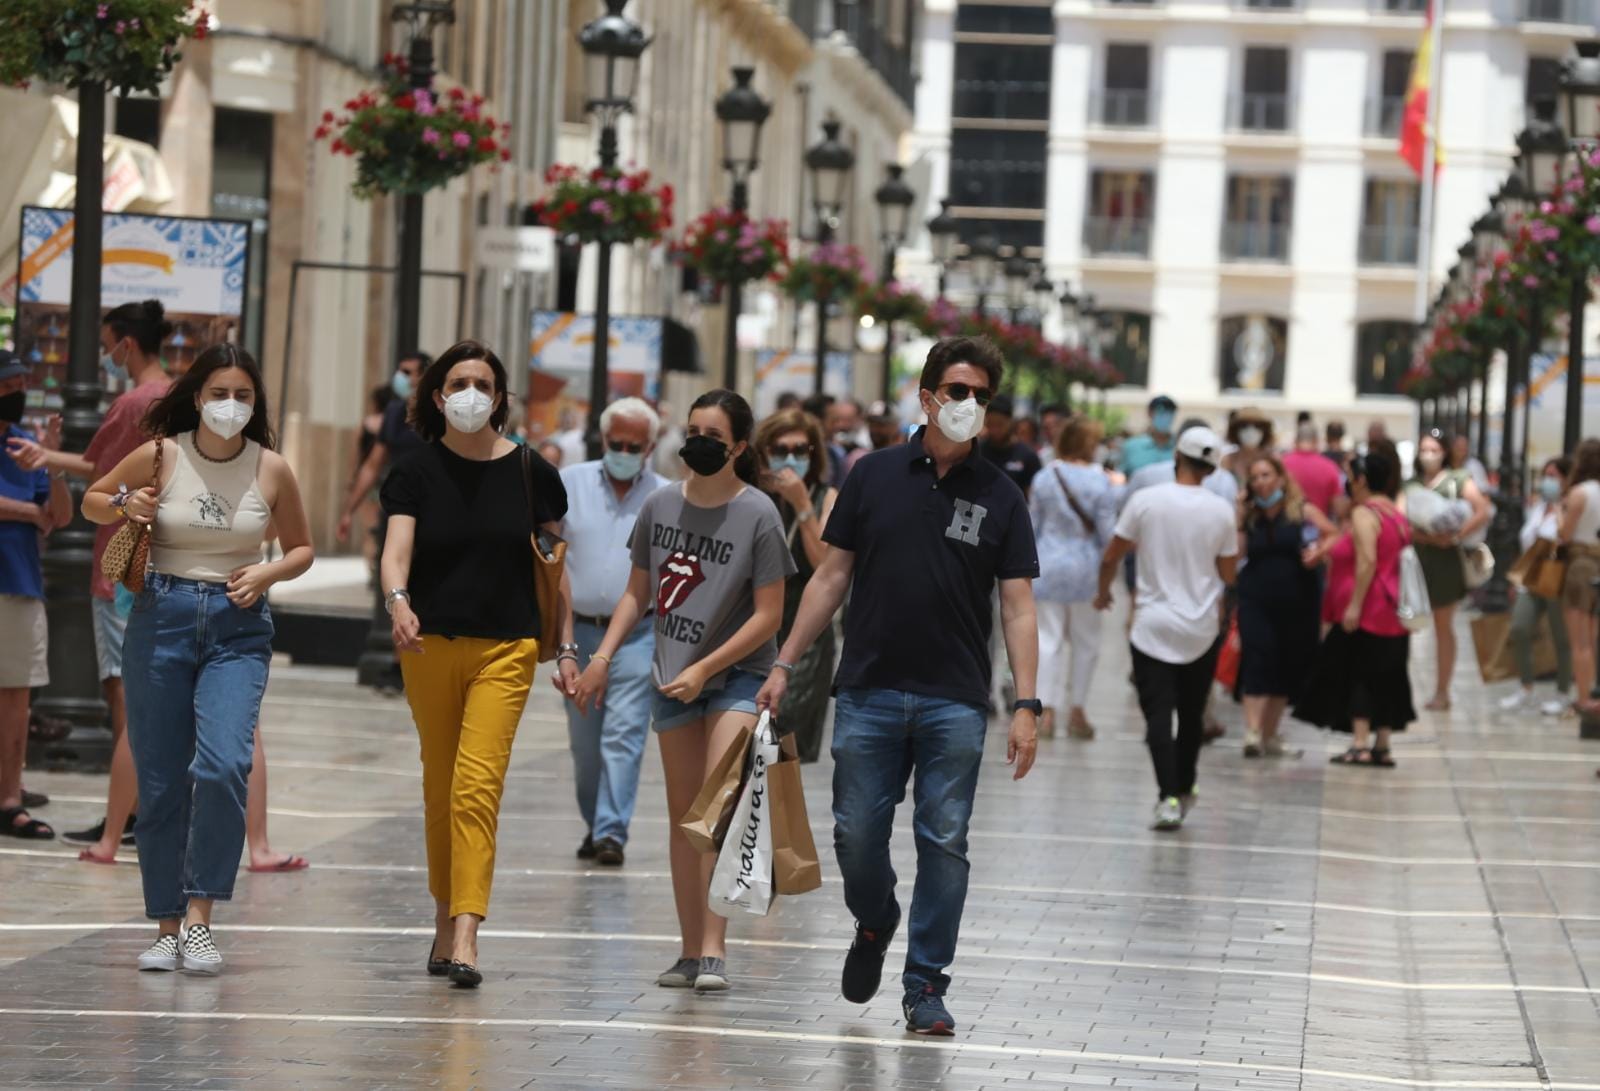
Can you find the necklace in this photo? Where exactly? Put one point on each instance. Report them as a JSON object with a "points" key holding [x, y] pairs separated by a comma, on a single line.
{"points": [[219, 461]]}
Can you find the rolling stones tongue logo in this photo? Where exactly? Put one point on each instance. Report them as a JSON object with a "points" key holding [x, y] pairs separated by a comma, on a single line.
{"points": [[677, 578]]}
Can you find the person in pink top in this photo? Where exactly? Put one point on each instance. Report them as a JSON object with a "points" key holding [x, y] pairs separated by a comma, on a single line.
{"points": [[1319, 479], [1361, 682]]}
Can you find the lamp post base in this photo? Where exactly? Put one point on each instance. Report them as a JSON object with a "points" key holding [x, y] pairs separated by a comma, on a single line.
{"points": [[1503, 543]]}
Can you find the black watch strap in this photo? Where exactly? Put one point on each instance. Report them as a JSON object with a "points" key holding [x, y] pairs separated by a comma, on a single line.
{"points": [[1034, 706]]}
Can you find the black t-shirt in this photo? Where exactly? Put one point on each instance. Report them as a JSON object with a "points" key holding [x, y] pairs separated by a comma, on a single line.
{"points": [[1017, 460], [472, 558], [396, 433], [927, 555]]}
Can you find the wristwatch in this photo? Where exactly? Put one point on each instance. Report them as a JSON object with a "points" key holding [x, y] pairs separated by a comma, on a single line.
{"points": [[1034, 706]]}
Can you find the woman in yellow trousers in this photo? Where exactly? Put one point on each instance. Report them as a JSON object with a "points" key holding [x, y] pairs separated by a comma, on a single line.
{"points": [[458, 582]]}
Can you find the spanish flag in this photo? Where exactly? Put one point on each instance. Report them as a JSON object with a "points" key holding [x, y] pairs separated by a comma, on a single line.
{"points": [[1414, 121]]}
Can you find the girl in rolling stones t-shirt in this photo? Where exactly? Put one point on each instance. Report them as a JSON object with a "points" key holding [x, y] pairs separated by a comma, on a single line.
{"points": [[709, 561]]}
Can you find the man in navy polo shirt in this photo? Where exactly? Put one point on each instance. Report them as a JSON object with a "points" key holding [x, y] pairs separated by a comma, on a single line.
{"points": [[919, 536]]}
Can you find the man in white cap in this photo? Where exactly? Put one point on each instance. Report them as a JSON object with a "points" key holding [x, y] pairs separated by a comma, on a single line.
{"points": [[1188, 544]]}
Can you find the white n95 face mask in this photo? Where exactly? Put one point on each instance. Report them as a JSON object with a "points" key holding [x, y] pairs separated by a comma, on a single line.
{"points": [[226, 418], [468, 410], [960, 421]]}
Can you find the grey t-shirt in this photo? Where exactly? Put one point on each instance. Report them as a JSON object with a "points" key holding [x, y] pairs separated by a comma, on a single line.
{"points": [[705, 564]]}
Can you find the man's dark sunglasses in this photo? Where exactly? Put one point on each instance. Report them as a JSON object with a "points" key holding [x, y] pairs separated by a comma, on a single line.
{"points": [[799, 450], [618, 446], [961, 392]]}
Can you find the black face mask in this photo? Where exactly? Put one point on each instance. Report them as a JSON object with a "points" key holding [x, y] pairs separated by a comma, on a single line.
{"points": [[704, 455], [12, 406]]}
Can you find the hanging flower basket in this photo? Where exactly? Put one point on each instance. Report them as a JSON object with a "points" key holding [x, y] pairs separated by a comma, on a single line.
{"points": [[604, 206], [407, 140], [831, 271], [891, 302], [126, 45], [723, 245]]}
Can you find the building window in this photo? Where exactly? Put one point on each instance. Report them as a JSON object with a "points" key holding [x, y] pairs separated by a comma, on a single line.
{"points": [[1125, 100], [1252, 350], [1263, 104], [1119, 212], [1024, 232], [1383, 352], [997, 168], [1580, 12], [1387, 110], [1257, 219], [1389, 223], [1005, 19], [241, 188], [993, 82], [1400, 7], [1129, 347]]}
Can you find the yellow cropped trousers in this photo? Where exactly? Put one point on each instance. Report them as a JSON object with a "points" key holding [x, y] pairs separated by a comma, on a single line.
{"points": [[467, 696]]}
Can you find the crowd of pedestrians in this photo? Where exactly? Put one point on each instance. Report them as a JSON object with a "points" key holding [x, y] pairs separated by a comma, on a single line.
{"points": [[830, 564]]}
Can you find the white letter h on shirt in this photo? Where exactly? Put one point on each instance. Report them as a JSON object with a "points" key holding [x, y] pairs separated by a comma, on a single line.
{"points": [[966, 521]]}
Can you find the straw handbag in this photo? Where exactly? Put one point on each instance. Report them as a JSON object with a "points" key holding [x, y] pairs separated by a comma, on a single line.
{"points": [[127, 555]]}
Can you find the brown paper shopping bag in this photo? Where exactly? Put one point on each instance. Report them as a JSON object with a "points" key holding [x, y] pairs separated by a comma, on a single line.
{"points": [[1497, 660], [795, 867], [705, 824]]}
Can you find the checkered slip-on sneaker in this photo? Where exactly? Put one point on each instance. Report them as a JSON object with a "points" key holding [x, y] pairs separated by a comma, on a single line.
{"points": [[199, 950], [161, 955]]}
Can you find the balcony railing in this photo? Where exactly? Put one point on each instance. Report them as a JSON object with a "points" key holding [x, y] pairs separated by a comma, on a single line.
{"points": [[1121, 108], [1398, 7], [1127, 236], [1266, 5], [1261, 113], [1384, 115], [1255, 241], [1383, 245], [1572, 12], [855, 20]]}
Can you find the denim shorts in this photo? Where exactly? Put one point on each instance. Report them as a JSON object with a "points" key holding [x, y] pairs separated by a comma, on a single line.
{"points": [[110, 628], [738, 694]]}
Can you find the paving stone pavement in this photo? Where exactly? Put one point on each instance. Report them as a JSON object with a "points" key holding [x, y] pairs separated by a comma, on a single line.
{"points": [[1432, 926]]}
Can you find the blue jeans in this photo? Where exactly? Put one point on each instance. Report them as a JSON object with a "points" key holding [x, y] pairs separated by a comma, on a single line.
{"points": [[195, 667], [880, 737], [608, 742], [738, 694]]}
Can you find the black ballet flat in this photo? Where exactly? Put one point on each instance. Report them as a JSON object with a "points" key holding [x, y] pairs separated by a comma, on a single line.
{"points": [[437, 967], [464, 976]]}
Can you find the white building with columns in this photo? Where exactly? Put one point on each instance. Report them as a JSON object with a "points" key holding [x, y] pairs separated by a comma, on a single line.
{"points": [[1226, 177]]}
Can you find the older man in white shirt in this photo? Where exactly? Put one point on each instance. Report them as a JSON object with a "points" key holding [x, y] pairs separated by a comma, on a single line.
{"points": [[603, 501]]}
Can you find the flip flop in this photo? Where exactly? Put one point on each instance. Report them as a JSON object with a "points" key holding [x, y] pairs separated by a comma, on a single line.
{"points": [[88, 857], [293, 863]]}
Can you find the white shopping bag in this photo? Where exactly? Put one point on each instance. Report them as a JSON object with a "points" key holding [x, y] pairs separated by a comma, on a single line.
{"points": [[743, 875], [1414, 609]]}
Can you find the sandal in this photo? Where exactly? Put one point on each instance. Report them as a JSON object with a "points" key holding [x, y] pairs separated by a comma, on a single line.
{"points": [[1356, 755], [31, 830], [30, 800], [1382, 758]]}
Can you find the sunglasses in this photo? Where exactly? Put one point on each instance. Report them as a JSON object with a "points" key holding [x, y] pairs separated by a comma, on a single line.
{"points": [[962, 391], [798, 450], [618, 446]]}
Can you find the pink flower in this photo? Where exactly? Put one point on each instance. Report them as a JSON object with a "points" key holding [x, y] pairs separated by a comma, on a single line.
{"points": [[1592, 225], [430, 136], [599, 207], [133, 24], [424, 105], [1550, 255], [461, 140], [607, 185], [1530, 281], [120, 27], [102, 12]]}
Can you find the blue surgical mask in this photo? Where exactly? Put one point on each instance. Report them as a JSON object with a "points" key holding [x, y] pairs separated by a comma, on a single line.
{"points": [[401, 385], [1550, 489], [622, 465], [1161, 421], [800, 466], [114, 371], [1270, 501]]}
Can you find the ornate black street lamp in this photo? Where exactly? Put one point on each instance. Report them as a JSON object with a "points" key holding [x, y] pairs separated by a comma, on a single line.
{"points": [[1489, 237], [944, 235], [1515, 206], [742, 113], [983, 256], [894, 199], [1019, 282], [612, 45], [829, 162]]}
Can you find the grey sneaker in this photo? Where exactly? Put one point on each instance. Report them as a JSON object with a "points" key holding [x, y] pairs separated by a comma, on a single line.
{"points": [[1186, 803], [682, 974], [713, 976], [199, 950], [161, 955], [1273, 747], [1169, 814]]}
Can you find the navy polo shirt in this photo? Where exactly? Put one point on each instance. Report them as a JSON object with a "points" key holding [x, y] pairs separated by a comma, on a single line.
{"points": [[927, 555]]}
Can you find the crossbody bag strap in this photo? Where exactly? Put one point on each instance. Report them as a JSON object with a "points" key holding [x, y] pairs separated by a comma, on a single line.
{"points": [[1077, 508]]}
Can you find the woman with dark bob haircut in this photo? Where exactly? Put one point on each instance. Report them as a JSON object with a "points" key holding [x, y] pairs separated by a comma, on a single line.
{"points": [[199, 640], [1359, 683], [458, 578]]}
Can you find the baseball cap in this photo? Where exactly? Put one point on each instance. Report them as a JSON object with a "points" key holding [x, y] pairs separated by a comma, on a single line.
{"points": [[1161, 401], [1201, 444], [12, 365], [1001, 404]]}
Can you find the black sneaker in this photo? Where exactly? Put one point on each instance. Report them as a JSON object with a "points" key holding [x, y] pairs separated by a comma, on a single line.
{"points": [[90, 836], [863, 966], [926, 1014], [608, 852], [586, 850]]}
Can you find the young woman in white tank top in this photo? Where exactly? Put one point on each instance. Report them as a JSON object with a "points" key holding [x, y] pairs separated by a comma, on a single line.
{"points": [[200, 637]]}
